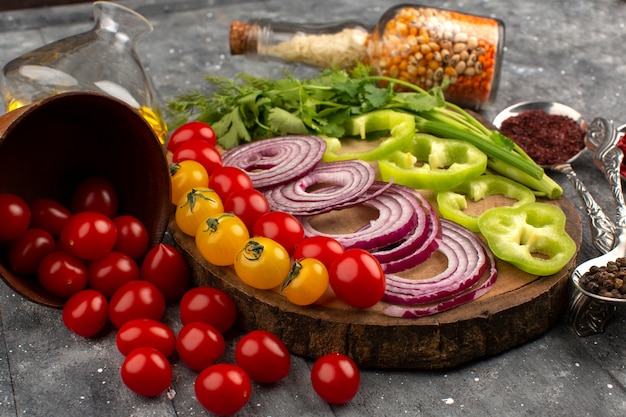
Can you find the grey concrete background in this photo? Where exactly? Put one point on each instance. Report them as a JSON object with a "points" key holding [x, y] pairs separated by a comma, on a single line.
{"points": [[570, 51]]}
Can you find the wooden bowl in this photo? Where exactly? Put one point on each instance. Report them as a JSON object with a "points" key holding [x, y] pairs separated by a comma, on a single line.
{"points": [[48, 147]]}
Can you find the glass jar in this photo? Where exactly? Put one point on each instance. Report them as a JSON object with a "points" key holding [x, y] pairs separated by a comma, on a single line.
{"points": [[102, 59], [425, 46]]}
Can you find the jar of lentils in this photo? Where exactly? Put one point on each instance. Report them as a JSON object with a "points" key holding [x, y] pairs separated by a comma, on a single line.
{"points": [[425, 46]]}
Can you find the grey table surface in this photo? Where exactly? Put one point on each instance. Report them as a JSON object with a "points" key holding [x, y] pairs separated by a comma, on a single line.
{"points": [[569, 51]]}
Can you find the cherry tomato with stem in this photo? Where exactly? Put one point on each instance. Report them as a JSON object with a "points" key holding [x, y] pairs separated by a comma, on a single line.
{"points": [[109, 273], [220, 237], [191, 130], [357, 278], [247, 204], [323, 248], [223, 389], [146, 372], [184, 176], [62, 274], [136, 300], [226, 179], [199, 345], [145, 333], [88, 235], [166, 268], [27, 251], [132, 236], [335, 378], [208, 305], [306, 283], [86, 313], [194, 207], [200, 151], [49, 214], [95, 194], [263, 356], [15, 216], [280, 226], [262, 263]]}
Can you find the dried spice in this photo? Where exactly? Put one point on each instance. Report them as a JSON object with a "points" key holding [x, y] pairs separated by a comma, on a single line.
{"points": [[606, 281], [547, 138]]}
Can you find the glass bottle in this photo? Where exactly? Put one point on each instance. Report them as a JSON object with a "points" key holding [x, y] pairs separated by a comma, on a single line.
{"points": [[102, 59], [425, 46]]}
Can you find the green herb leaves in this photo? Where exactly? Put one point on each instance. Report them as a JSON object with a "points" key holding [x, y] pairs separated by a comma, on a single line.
{"points": [[248, 108]]}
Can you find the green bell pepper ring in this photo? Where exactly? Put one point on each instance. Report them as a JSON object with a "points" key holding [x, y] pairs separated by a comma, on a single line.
{"points": [[401, 127], [453, 203], [432, 163], [531, 237]]}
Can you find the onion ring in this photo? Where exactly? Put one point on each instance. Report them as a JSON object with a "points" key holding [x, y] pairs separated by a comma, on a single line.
{"points": [[397, 218], [344, 182], [278, 160], [468, 260]]}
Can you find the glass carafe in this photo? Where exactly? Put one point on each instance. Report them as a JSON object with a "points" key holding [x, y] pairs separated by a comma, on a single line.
{"points": [[102, 59], [425, 46]]}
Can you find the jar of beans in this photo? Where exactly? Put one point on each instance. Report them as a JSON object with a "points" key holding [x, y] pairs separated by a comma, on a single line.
{"points": [[425, 46]]}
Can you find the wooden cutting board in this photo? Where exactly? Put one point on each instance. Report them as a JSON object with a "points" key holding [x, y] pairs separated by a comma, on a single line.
{"points": [[519, 308]]}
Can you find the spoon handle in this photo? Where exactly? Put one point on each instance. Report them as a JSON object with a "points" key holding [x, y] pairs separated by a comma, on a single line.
{"points": [[609, 157], [601, 227]]}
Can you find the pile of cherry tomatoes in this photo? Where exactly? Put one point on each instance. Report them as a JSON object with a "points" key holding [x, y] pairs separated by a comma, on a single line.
{"points": [[99, 260]]}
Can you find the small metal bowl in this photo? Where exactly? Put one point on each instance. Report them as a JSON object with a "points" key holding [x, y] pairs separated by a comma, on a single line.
{"points": [[550, 107], [48, 147]]}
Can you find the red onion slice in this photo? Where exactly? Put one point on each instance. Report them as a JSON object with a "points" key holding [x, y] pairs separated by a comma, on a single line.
{"points": [[277, 160], [419, 245], [397, 219], [468, 260], [340, 184]]}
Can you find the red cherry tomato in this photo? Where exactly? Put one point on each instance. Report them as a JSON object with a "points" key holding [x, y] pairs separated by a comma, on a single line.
{"points": [[146, 372], [95, 194], [85, 313], [27, 251], [199, 345], [110, 272], [136, 300], [263, 356], [49, 215], [132, 236], [208, 305], [14, 216], [145, 333], [200, 151], [357, 278], [223, 389], [248, 204], [191, 130], [281, 227], [335, 378], [165, 267], [62, 274], [323, 248], [226, 179], [88, 235]]}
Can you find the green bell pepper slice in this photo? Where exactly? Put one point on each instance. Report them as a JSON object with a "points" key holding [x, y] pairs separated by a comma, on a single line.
{"points": [[453, 203], [401, 127], [432, 163], [531, 237]]}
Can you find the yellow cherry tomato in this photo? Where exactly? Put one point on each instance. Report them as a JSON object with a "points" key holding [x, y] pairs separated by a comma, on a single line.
{"points": [[185, 175], [219, 238], [196, 206], [262, 263], [307, 281]]}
